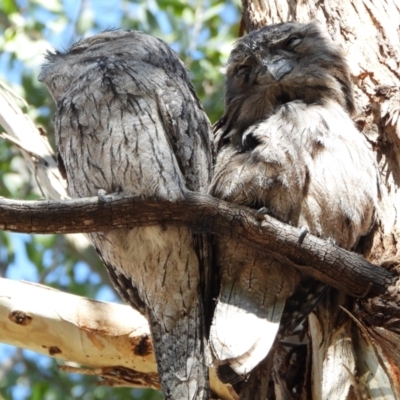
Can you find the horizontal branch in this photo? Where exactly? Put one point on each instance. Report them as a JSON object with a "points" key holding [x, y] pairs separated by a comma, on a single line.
{"points": [[339, 268], [113, 340], [73, 328]]}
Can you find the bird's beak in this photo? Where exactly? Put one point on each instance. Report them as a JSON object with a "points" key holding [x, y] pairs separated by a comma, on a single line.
{"points": [[278, 68]]}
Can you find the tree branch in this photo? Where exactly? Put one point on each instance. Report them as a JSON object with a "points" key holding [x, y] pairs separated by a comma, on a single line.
{"points": [[113, 340], [339, 268], [34, 146]]}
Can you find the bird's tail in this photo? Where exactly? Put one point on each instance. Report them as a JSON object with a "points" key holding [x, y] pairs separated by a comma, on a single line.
{"points": [[248, 313], [177, 317], [240, 334], [182, 358]]}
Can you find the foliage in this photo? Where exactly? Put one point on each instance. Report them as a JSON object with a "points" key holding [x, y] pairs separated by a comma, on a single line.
{"points": [[202, 33]]}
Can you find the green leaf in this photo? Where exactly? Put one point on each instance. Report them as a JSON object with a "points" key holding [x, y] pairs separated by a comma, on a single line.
{"points": [[54, 6], [9, 6], [175, 4]]}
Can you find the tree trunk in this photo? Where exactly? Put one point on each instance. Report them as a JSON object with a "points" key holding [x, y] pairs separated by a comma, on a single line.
{"points": [[352, 351]]}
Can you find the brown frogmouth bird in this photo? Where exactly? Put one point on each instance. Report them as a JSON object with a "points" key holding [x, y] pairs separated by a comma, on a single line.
{"points": [[286, 142]]}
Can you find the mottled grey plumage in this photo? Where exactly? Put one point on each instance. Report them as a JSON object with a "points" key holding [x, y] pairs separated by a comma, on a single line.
{"points": [[286, 142], [128, 121]]}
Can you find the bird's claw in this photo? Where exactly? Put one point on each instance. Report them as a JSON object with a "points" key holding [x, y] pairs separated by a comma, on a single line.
{"points": [[331, 240], [102, 195], [261, 212], [303, 233]]}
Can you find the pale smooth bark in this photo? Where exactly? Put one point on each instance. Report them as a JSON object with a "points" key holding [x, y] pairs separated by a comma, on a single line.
{"points": [[34, 146], [111, 340]]}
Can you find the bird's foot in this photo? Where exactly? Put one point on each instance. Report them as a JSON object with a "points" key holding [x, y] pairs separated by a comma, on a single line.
{"points": [[102, 195], [261, 212], [331, 241], [303, 233]]}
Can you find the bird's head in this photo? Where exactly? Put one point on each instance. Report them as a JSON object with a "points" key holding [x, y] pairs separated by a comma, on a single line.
{"points": [[100, 56], [281, 63]]}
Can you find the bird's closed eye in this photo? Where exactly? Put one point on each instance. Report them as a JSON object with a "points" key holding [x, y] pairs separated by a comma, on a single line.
{"points": [[243, 69], [292, 42], [82, 46], [250, 142], [78, 48]]}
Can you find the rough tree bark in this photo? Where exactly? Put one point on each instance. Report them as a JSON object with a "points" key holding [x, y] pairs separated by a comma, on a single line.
{"points": [[325, 261], [352, 353]]}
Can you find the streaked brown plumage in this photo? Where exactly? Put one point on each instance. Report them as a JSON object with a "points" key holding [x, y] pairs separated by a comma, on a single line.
{"points": [[128, 121], [285, 142]]}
